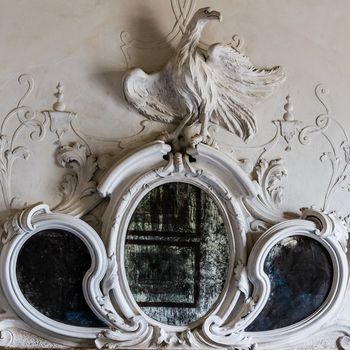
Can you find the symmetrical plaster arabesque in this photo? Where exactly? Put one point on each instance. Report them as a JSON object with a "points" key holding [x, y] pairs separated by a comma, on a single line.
{"points": [[298, 158]]}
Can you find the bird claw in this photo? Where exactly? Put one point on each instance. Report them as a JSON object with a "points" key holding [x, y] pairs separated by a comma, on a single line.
{"points": [[166, 136], [208, 140], [196, 140]]}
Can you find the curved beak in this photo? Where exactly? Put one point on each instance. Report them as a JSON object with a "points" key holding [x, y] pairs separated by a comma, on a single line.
{"points": [[215, 15]]}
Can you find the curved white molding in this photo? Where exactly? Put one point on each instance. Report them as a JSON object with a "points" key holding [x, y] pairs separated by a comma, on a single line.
{"points": [[136, 161], [17, 231], [226, 169]]}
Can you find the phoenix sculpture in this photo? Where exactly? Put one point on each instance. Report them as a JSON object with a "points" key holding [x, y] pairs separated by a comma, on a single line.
{"points": [[218, 85]]}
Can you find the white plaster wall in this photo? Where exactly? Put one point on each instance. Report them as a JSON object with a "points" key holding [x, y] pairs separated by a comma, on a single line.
{"points": [[79, 44]]}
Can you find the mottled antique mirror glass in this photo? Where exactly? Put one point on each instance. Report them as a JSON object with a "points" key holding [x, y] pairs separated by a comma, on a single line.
{"points": [[50, 269], [176, 253], [301, 274]]}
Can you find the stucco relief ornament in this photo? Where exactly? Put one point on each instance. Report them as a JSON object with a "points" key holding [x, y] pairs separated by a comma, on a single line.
{"points": [[288, 125], [218, 85]]}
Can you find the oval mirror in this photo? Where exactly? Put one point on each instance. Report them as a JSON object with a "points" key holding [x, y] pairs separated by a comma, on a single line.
{"points": [[176, 253], [50, 269], [301, 274]]}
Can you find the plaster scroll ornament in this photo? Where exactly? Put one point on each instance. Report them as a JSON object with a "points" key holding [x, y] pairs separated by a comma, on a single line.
{"points": [[217, 85]]}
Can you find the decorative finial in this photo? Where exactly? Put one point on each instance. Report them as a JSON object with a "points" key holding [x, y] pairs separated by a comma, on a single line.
{"points": [[288, 107], [59, 105]]}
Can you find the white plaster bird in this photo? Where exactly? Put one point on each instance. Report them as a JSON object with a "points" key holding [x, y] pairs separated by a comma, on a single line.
{"points": [[220, 86]]}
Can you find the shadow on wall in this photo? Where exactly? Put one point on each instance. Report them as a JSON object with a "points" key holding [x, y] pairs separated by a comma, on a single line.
{"points": [[110, 82], [145, 44]]}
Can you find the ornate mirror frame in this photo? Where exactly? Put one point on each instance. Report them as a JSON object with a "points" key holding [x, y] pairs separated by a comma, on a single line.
{"points": [[17, 232], [322, 228], [139, 173], [247, 286]]}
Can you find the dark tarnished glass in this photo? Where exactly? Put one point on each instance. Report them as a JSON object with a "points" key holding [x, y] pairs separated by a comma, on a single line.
{"points": [[50, 270], [176, 253], [301, 274]]}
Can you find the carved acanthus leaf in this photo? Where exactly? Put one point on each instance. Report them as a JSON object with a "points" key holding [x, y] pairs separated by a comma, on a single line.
{"points": [[340, 175], [78, 187], [134, 332], [270, 176]]}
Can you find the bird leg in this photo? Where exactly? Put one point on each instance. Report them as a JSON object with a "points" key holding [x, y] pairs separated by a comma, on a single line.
{"points": [[204, 127], [204, 135], [173, 136]]}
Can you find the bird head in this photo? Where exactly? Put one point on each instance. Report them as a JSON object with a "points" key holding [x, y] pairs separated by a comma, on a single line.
{"points": [[205, 14], [194, 29]]}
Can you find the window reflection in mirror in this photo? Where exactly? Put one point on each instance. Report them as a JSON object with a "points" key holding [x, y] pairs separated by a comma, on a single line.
{"points": [[176, 253]]}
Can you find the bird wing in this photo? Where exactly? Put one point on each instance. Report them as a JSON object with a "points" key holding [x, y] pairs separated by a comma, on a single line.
{"points": [[153, 95], [239, 87]]}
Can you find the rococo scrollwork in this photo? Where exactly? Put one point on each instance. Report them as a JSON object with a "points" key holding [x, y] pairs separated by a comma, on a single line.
{"points": [[198, 90]]}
